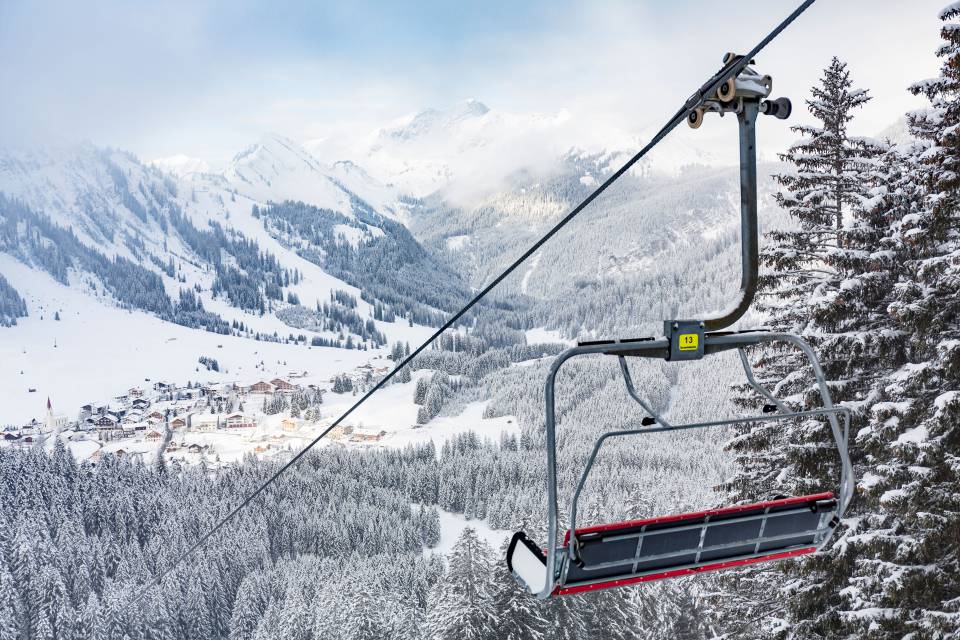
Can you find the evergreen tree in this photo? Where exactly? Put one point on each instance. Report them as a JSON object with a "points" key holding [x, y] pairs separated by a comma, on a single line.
{"points": [[905, 555], [9, 605], [461, 603], [420, 391], [520, 615], [826, 280], [397, 354], [431, 527]]}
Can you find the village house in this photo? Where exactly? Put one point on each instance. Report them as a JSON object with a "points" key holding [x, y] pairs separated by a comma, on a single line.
{"points": [[340, 432], [105, 423], [282, 385], [31, 428], [196, 448], [260, 387], [156, 415], [178, 423], [361, 434], [154, 436], [188, 394], [140, 403], [240, 421], [135, 392], [205, 422], [289, 424]]}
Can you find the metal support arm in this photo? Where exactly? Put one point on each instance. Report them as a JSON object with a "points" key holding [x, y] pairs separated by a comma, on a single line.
{"points": [[749, 229]]}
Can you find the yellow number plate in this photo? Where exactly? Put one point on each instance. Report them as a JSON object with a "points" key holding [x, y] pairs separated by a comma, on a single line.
{"points": [[689, 341]]}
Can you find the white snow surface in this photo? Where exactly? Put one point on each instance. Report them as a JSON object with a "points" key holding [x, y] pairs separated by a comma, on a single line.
{"points": [[916, 435], [453, 524], [181, 164], [456, 243], [542, 335], [276, 168]]}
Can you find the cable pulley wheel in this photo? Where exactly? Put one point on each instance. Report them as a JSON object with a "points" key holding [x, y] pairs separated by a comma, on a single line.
{"points": [[695, 118], [727, 90]]}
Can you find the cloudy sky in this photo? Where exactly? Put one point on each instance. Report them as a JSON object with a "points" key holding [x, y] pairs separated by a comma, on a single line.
{"points": [[205, 78]]}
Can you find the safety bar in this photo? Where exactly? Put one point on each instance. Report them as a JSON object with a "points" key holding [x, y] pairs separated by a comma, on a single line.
{"points": [[631, 390], [713, 343]]}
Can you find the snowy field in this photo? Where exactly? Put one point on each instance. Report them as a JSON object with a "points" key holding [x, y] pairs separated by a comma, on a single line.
{"points": [[541, 335], [453, 524], [97, 351]]}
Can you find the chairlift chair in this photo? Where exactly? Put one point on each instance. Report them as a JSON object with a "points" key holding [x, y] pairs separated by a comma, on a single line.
{"points": [[620, 554]]}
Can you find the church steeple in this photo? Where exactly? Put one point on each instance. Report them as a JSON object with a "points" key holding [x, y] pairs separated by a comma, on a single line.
{"points": [[51, 422]]}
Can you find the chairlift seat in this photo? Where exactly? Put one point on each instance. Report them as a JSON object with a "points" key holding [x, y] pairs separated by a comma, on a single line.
{"points": [[625, 553]]}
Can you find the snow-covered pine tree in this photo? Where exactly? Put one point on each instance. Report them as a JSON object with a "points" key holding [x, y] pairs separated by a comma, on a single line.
{"points": [[906, 554], [461, 603], [397, 354], [519, 614], [823, 280], [10, 604], [802, 284]]}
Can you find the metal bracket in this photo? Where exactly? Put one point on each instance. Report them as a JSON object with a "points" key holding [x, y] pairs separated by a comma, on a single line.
{"points": [[686, 339]]}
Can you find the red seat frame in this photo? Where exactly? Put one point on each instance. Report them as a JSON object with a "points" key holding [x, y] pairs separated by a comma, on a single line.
{"points": [[681, 520]]}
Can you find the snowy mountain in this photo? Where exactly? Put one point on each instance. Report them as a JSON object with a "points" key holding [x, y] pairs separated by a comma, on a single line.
{"points": [[469, 151], [100, 230], [468, 145], [207, 249]]}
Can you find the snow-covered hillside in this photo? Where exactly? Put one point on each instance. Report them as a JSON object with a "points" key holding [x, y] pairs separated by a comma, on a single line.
{"points": [[98, 237], [213, 235]]}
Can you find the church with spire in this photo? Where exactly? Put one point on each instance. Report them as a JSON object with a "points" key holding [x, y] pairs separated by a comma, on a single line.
{"points": [[55, 421]]}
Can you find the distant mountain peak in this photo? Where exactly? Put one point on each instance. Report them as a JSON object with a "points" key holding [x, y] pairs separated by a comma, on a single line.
{"points": [[181, 164], [274, 148], [429, 121], [472, 108]]}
